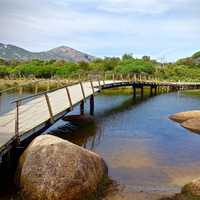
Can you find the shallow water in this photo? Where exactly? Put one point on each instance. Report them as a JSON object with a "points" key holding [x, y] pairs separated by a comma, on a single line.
{"points": [[144, 150]]}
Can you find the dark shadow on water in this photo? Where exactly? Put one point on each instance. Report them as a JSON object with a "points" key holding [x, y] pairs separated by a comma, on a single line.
{"points": [[82, 134], [85, 134]]}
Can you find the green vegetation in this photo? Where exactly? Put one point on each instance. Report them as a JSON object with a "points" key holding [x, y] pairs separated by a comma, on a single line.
{"points": [[193, 93], [187, 69]]}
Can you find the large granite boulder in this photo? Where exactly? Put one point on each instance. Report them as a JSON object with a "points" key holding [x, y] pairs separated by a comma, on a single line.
{"points": [[183, 116], [52, 168], [192, 124]]}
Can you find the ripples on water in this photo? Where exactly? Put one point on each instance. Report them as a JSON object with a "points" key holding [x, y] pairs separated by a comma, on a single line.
{"points": [[144, 150]]}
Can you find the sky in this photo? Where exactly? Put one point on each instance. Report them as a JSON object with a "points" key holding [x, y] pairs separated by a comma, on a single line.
{"points": [[163, 29]]}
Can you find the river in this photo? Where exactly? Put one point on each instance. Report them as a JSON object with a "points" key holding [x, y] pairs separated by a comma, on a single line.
{"points": [[144, 150]]}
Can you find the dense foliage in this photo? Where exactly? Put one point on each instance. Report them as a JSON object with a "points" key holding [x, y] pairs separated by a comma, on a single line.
{"points": [[187, 69]]}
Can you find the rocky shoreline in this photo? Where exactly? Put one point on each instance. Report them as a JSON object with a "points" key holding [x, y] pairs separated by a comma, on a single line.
{"points": [[191, 121]]}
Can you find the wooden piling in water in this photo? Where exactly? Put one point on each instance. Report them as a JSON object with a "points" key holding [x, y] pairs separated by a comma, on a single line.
{"points": [[142, 91], [92, 105], [155, 90], [134, 91], [82, 107], [151, 90]]}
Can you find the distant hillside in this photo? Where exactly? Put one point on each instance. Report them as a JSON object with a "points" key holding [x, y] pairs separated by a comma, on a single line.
{"points": [[196, 57], [9, 52], [194, 60]]}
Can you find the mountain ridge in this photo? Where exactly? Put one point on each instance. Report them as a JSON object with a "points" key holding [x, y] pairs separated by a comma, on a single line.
{"points": [[9, 52]]}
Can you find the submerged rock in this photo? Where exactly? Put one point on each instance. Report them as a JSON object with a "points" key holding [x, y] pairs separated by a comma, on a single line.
{"points": [[79, 118], [52, 168], [183, 116], [192, 124]]}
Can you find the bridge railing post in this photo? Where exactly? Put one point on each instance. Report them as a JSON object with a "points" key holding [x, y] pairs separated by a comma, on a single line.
{"points": [[48, 85], [69, 98], [36, 88], [140, 77], [105, 77], [129, 77], [113, 77], [82, 90], [49, 107], [99, 83], [92, 86], [134, 78], [121, 77], [17, 122]]}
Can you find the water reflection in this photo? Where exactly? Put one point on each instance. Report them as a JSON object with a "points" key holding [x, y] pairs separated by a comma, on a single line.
{"points": [[144, 150], [89, 134], [82, 134]]}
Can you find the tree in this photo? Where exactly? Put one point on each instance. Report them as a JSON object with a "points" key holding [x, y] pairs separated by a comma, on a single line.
{"points": [[146, 58], [127, 56]]}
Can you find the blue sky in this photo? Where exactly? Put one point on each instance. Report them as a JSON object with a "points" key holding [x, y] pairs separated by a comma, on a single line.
{"points": [[159, 28]]}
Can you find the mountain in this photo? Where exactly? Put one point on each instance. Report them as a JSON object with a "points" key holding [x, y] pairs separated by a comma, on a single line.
{"points": [[9, 52], [192, 61], [196, 57]]}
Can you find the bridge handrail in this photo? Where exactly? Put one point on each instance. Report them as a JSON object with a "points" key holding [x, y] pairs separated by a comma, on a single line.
{"points": [[42, 93], [21, 85]]}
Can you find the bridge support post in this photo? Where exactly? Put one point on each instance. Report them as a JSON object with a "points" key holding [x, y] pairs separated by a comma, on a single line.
{"points": [[158, 89], [82, 107], [142, 92], [134, 91], [92, 105], [151, 91], [155, 90]]}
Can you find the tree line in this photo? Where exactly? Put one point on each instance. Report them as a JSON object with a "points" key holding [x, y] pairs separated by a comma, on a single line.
{"points": [[184, 69]]}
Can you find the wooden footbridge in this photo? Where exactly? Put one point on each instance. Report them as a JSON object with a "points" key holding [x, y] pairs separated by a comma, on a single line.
{"points": [[32, 115]]}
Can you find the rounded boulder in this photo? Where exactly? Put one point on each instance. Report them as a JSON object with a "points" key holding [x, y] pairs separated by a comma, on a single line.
{"points": [[52, 168]]}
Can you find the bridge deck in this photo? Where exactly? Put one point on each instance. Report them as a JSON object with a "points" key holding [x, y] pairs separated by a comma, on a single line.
{"points": [[35, 112]]}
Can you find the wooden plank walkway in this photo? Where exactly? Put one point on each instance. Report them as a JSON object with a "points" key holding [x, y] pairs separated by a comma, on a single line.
{"points": [[35, 113]]}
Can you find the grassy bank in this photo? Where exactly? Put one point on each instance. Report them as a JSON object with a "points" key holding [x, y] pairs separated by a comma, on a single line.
{"points": [[194, 93], [31, 85]]}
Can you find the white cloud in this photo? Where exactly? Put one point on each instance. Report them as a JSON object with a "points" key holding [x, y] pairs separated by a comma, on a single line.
{"points": [[142, 6], [104, 27]]}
